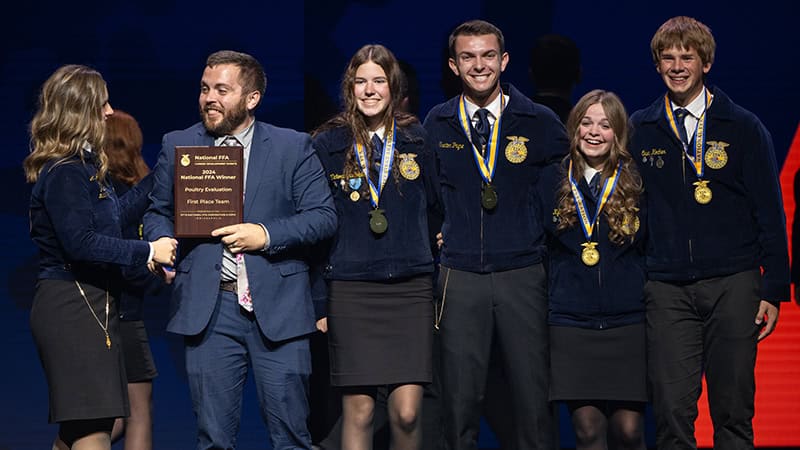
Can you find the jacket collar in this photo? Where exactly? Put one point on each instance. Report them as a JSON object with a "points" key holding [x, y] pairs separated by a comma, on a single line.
{"points": [[517, 104], [721, 107], [344, 139]]}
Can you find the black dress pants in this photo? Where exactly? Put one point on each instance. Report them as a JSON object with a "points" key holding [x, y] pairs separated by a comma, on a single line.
{"points": [[511, 305], [703, 327]]}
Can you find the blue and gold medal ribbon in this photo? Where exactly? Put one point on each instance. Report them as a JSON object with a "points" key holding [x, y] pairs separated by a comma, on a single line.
{"points": [[699, 137], [386, 164], [488, 162], [580, 204]]}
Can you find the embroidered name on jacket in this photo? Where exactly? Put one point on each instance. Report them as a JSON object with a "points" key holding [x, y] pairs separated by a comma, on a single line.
{"points": [[654, 157], [452, 145]]}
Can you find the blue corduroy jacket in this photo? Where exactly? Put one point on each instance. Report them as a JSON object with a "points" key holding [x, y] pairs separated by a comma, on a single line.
{"points": [[511, 235], [411, 209], [606, 295], [76, 223], [742, 228]]}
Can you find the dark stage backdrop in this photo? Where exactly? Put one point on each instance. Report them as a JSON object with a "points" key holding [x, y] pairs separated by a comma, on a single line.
{"points": [[152, 54]]}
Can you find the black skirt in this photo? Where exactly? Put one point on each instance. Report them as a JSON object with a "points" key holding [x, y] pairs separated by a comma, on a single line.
{"points": [[139, 364], [86, 379], [381, 333], [605, 364]]}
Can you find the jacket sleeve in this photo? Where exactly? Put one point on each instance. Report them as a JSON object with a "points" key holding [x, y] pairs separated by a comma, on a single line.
{"points": [[158, 220], [133, 203], [68, 202], [766, 203], [315, 215]]}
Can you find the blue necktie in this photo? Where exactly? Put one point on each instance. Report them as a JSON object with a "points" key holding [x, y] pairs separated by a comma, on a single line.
{"points": [[680, 116], [377, 154], [482, 126], [377, 145], [594, 185]]}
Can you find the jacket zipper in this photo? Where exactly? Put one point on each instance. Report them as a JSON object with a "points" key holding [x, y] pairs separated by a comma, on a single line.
{"points": [[683, 169], [482, 237]]}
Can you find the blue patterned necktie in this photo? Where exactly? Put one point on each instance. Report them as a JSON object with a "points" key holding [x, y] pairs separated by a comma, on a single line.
{"points": [[482, 127], [680, 117]]}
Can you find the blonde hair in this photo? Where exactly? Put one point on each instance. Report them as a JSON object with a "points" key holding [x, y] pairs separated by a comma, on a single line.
{"points": [[622, 206], [70, 115]]}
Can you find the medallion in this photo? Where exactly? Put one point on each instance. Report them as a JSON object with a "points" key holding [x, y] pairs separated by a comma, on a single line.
{"points": [[702, 193], [355, 196], [488, 197], [590, 255], [377, 221]]}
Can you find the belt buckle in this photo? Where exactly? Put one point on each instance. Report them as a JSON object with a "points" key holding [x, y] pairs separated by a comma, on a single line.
{"points": [[229, 286]]}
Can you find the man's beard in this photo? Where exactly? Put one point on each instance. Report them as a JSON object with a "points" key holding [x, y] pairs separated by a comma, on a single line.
{"points": [[231, 119]]}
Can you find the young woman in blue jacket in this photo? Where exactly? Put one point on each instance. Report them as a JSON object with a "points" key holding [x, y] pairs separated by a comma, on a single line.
{"points": [[596, 276], [380, 265], [76, 221]]}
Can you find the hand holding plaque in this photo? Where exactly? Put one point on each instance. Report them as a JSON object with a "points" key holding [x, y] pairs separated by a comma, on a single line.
{"points": [[209, 186]]}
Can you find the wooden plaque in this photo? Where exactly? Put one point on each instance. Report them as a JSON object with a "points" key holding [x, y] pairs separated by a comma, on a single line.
{"points": [[209, 186]]}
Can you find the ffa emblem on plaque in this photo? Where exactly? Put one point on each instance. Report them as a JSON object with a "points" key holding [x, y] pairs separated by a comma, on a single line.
{"points": [[409, 168], [185, 161], [516, 152], [716, 156]]}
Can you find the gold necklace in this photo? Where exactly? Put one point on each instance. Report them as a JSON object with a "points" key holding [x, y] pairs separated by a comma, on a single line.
{"points": [[103, 327]]}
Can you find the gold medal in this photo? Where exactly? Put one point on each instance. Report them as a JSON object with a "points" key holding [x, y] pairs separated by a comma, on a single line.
{"points": [[516, 152], [409, 168], [590, 255], [355, 196], [716, 156], [702, 193]]}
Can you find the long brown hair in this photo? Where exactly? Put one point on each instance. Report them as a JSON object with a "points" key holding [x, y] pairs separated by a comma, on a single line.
{"points": [[124, 148], [622, 207], [70, 115], [352, 119]]}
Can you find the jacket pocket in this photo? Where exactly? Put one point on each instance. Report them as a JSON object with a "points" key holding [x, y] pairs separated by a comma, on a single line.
{"points": [[291, 268]]}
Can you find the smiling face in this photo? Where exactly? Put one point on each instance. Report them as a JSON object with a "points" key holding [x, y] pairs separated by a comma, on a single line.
{"points": [[479, 63], [372, 93], [682, 71], [224, 107], [595, 136]]}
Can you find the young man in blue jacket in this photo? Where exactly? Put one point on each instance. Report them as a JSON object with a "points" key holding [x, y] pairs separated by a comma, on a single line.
{"points": [[491, 143], [717, 257]]}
